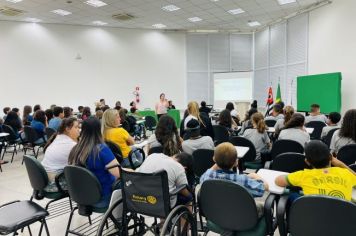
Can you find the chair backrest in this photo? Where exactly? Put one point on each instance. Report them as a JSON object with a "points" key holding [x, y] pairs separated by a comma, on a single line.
{"points": [[36, 173], [115, 150], [83, 186], [49, 132], [202, 161], [150, 122], [146, 194], [322, 215], [318, 128], [328, 137], [228, 205], [221, 134], [12, 135], [286, 145], [31, 134], [289, 162], [250, 156], [353, 167], [347, 154], [156, 149], [270, 123]]}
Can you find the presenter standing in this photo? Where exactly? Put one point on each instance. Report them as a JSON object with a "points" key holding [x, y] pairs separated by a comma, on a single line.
{"points": [[161, 106]]}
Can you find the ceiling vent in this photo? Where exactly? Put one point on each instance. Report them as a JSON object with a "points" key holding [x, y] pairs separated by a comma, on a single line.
{"points": [[123, 17], [8, 11]]}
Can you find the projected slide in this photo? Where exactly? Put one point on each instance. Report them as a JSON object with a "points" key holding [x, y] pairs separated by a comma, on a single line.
{"points": [[234, 87]]}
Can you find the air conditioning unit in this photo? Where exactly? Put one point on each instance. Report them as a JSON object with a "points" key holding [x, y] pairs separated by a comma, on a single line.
{"points": [[123, 17], [9, 11]]}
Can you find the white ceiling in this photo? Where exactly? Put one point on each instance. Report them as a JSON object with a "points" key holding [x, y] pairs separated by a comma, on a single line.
{"points": [[149, 12]]}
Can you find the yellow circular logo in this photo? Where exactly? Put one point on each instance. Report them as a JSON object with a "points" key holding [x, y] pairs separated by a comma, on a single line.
{"points": [[151, 199]]}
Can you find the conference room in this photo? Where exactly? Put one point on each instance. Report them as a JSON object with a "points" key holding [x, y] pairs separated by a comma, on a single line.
{"points": [[177, 117]]}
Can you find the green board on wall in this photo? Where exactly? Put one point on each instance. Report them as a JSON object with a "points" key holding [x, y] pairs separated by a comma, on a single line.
{"points": [[323, 89]]}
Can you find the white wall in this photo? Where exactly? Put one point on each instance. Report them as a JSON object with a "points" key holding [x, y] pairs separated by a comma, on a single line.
{"points": [[38, 65], [332, 45]]}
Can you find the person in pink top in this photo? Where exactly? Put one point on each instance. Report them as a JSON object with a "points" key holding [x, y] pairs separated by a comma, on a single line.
{"points": [[161, 106]]}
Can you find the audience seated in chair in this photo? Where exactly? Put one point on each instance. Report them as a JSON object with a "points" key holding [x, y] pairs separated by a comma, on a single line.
{"points": [[58, 148], [204, 108], [230, 106], [93, 154], [277, 113], [346, 134], [225, 158], [258, 136], [196, 141], [26, 115], [246, 123], [294, 130], [328, 175], [332, 123], [288, 111], [55, 122], [225, 119], [39, 124], [315, 114], [166, 135], [13, 120], [112, 132]]}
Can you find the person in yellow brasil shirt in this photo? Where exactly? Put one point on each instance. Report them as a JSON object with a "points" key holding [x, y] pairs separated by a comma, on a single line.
{"points": [[327, 176]]}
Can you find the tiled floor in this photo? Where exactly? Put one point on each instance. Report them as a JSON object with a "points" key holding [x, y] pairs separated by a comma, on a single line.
{"points": [[15, 185]]}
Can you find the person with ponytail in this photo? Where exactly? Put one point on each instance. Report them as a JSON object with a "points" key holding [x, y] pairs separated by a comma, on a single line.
{"points": [[111, 130], [258, 135], [93, 154], [166, 135], [288, 111], [59, 146], [294, 130]]}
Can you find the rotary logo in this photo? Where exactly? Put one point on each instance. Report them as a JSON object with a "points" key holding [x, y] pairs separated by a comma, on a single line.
{"points": [[151, 199]]}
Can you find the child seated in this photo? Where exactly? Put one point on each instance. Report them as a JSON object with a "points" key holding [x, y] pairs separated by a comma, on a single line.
{"points": [[332, 123], [336, 181]]}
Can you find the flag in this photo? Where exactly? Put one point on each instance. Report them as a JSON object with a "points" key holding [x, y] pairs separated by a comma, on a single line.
{"points": [[270, 97], [278, 96]]}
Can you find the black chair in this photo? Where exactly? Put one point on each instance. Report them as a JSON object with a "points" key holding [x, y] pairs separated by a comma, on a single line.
{"points": [[289, 162], [150, 123], [231, 207], [202, 161], [148, 194], [286, 145], [156, 149], [119, 157], [319, 215], [17, 215], [347, 154], [270, 123], [49, 132], [11, 141], [221, 134], [85, 189], [39, 181], [353, 167], [328, 137], [32, 137], [318, 128], [249, 160]]}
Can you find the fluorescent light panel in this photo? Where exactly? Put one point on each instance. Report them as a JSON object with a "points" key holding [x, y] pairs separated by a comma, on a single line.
{"points": [[159, 26], [236, 11], [254, 23], [14, 1], [98, 22], [33, 20], [282, 2], [61, 12], [96, 3], [170, 8], [194, 19]]}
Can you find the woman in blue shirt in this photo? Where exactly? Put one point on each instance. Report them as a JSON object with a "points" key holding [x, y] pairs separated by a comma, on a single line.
{"points": [[92, 153]]}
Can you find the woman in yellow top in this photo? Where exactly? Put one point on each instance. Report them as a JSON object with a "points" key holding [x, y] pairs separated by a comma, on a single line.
{"points": [[111, 131]]}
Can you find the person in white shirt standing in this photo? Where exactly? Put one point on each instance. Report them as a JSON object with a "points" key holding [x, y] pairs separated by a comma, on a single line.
{"points": [[161, 106]]}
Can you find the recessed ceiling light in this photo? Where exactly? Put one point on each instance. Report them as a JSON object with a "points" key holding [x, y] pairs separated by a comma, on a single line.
{"points": [[14, 1], [96, 3], [98, 22], [254, 23], [194, 19], [61, 12], [282, 2], [33, 20], [236, 11], [170, 8], [159, 26], [214, 0]]}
